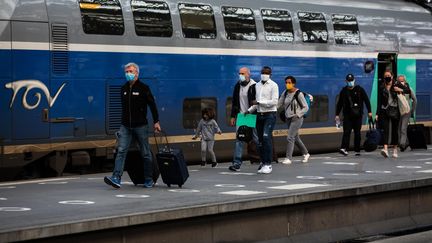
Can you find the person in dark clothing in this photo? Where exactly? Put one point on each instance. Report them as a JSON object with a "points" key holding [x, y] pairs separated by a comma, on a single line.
{"points": [[351, 100], [135, 97], [388, 113]]}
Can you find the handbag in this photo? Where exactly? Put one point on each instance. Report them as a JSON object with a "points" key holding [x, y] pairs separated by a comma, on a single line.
{"points": [[404, 107], [392, 112]]}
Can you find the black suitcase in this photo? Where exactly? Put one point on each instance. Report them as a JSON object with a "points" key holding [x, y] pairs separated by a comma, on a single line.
{"points": [[171, 162], [416, 137], [134, 166]]}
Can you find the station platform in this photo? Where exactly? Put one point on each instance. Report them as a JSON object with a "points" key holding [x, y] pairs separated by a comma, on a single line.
{"points": [[330, 198]]}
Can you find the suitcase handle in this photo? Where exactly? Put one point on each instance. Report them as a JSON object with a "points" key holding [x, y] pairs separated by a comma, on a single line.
{"points": [[167, 146], [372, 124]]}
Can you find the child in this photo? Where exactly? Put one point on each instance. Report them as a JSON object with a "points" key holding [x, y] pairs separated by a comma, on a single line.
{"points": [[207, 127]]}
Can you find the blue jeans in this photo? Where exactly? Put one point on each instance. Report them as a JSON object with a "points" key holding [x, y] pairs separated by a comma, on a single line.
{"points": [[125, 136], [265, 124], [238, 151]]}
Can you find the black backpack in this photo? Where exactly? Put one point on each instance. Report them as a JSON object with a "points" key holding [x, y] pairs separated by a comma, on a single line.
{"points": [[244, 133]]}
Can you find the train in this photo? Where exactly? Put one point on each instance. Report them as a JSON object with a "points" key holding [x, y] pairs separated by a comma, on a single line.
{"points": [[61, 68]]}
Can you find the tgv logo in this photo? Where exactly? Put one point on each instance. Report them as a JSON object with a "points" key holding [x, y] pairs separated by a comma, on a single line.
{"points": [[28, 85]]}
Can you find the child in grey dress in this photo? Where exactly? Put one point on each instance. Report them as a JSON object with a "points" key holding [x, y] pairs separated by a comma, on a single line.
{"points": [[207, 127]]}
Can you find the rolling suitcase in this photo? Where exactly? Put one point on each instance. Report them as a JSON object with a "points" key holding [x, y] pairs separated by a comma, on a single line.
{"points": [[373, 138], [171, 162], [416, 137], [134, 166]]}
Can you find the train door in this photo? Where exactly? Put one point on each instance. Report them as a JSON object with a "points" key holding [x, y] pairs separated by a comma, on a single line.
{"points": [[386, 61], [30, 97], [5, 78]]}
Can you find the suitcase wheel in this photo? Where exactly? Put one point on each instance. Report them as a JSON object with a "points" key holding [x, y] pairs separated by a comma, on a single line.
{"points": [[169, 185], [180, 185]]}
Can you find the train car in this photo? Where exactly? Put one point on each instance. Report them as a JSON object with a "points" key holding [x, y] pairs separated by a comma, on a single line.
{"points": [[61, 67]]}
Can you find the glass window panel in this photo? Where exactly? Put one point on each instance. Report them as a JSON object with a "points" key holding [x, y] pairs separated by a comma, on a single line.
{"points": [[152, 18], [319, 109], [103, 17], [313, 27], [239, 23], [197, 21], [346, 29], [192, 108], [277, 25]]}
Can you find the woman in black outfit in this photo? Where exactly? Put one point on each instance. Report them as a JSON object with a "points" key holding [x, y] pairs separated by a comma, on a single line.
{"points": [[388, 113]]}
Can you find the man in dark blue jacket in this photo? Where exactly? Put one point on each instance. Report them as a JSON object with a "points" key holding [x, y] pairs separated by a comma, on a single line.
{"points": [[135, 97]]}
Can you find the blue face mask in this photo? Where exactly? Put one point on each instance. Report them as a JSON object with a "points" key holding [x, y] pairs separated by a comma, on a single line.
{"points": [[130, 76], [350, 84]]}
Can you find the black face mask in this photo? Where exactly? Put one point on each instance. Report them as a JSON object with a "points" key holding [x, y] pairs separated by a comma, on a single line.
{"points": [[244, 83], [387, 79]]}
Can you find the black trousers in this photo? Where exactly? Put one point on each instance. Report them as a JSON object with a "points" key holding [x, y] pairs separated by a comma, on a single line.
{"points": [[391, 130], [349, 124]]}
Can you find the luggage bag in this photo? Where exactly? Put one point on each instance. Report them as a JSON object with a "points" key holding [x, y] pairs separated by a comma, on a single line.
{"points": [[171, 162], [416, 137], [134, 166], [373, 138]]}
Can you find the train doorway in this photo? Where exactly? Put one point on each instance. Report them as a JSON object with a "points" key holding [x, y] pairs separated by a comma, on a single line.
{"points": [[386, 61]]}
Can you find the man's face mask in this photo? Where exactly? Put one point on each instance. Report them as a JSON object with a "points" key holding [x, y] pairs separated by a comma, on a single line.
{"points": [[265, 77], [350, 84], [130, 77]]}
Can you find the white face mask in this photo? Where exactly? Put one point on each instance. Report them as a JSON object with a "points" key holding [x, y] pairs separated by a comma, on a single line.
{"points": [[265, 77], [242, 78]]}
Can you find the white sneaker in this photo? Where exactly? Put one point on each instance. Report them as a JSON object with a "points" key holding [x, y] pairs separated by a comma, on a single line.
{"points": [[306, 158], [384, 153], [260, 168], [395, 153], [266, 169], [286, 161]]}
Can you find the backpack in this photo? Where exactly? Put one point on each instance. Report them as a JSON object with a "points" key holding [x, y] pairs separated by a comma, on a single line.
{"points": [[308, 98], [244, 133]]}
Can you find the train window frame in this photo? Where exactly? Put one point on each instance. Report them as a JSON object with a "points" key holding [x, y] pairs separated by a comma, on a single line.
{"points": [[319, 110], [240, 36], [191, 115], [88, 7], [303, 24], [335, 30], [212, 34], [290, 21], [162, 19]]}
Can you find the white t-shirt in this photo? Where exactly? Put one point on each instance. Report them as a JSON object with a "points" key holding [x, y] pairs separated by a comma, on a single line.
{"points": [[243, 96]]}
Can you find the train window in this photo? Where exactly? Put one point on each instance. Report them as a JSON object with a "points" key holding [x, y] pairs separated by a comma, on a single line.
{"points": [[192, 108], [152, 18], [239, 23], [313, 26], [277, 25], [346, 29], [102, 17], [197, 21], [424, 110], [319, 109]]}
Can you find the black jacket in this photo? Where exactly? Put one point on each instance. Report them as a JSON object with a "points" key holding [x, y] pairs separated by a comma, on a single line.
{"points": [[135, 100], [383, 95], [358, 95], [235, 108]]}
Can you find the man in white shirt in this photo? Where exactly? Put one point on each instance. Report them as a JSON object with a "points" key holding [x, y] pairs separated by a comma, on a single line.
{"points": [[265, 103]]}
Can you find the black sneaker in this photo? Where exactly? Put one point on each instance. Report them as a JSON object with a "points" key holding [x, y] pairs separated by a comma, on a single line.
{"points": [[234, 168], [214, 164], [203, 163]]}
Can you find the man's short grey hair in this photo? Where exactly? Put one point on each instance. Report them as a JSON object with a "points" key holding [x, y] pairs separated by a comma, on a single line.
{"points": [[132, 64], [402, 76]]}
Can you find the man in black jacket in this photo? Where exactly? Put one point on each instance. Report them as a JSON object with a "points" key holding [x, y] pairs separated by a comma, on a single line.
{"points": [[351, 99], [240, 104], [135, 97]]}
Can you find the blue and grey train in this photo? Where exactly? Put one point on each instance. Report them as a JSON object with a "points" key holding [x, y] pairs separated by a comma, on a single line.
{"points": [[61, 67]]}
